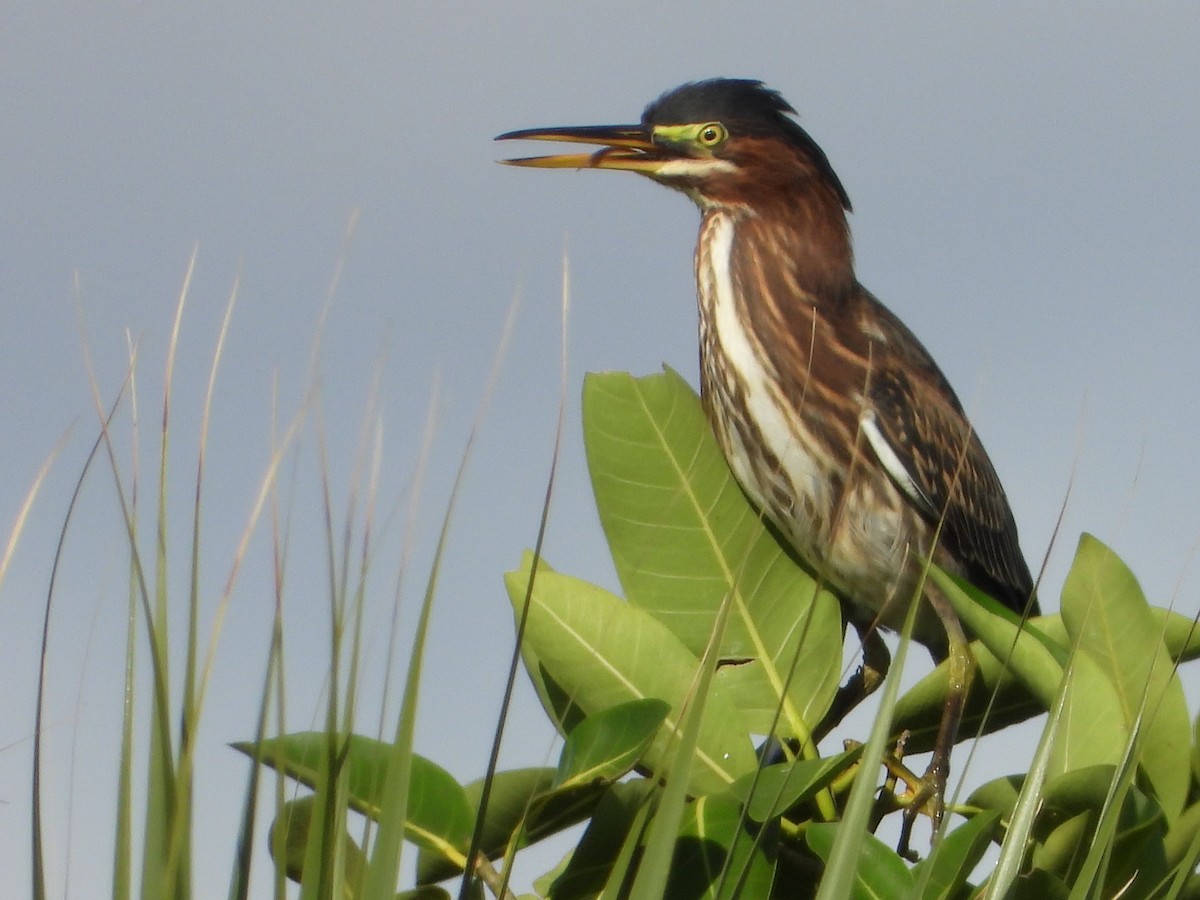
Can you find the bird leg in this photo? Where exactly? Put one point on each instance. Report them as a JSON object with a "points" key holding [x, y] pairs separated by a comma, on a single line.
{"points": [[875, 663], [930, 795], [886, 801]]}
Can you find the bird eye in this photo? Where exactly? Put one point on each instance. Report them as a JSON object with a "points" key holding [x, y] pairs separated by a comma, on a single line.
{"points": [[712, 134]]}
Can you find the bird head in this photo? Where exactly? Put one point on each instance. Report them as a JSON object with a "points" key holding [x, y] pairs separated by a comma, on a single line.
{"points": [[724, 142]]}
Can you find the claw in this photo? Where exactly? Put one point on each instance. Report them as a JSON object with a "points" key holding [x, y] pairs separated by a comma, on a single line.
{"points": [[922, 795], [927, 795]]}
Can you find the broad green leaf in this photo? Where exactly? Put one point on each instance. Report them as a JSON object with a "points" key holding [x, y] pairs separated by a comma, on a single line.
{"points": [[292, 824], [919, 711], [1196, 752], [439, 816], [880, 872], [1181, 634], [1079, 791], [1104, 607], [1021, 817], [996, 699], [1032, 657], [562, 711], [523, 804], [427, 892], [1183, 836], [543, 885], [684, 537], [948, 867], [779, 787], [1000, 795], [590, 864], [604, 652], [1112, 848], [1066, 832], [557, 809], [1039, 884], [605, 746], [715, 857], [662, 832], [1061, 848], [1091, 731], [1139, 853]]}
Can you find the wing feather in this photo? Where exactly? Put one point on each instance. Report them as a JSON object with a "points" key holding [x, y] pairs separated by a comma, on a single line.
{"points": [[922, 438]]}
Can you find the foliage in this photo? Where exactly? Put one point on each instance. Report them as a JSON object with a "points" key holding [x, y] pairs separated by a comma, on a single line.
{"points": [[720, 636], [720, 641]]}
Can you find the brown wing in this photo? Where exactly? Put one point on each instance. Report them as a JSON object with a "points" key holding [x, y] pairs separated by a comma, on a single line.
{"points": [[923, 438]]}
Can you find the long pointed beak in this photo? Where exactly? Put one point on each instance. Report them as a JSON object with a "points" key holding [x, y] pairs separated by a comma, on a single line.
{"points": [[621, 147]]}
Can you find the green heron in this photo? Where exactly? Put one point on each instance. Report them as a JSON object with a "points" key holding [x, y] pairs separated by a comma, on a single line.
{"points": [[833, 417]]}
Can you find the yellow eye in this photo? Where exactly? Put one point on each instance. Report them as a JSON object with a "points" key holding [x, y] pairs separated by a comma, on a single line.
{"points": [[712, 134]]}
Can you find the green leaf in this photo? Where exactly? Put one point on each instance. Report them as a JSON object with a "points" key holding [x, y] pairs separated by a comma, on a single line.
{"points": [[684, 537], [1040, 884], [588, 869], [1196, 752], [563, 712], [662, 832], [561, 709], [290, 831], [999, 795], [779, 787], [879, 873], [1183, 837], [1032, 657], [605, 746], [1061, 848], [996, 699], [1180, 633], [1092, 731], [427, 892], [715, 857], [604, 652], [1138, 852], [1104, 606], [945, 872], [1072, 793], [1066, 832], [523, 804], [439, 815], [919, 711]]}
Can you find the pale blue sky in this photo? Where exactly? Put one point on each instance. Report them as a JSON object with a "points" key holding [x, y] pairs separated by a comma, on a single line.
{"points": [[1026, 197]]}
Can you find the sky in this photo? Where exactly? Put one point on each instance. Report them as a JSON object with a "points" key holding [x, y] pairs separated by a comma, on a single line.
{"points": [[1026, 198]]}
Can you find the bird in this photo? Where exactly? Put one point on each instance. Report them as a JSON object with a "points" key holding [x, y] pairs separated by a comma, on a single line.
{"points": [[835, 420]]}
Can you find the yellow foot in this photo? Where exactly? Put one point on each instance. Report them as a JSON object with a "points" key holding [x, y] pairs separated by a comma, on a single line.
{"points": [[919, 795], [927, 795]]}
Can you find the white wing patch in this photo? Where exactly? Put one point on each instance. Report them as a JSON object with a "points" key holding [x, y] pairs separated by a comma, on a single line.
{"points": [[892, 464]]}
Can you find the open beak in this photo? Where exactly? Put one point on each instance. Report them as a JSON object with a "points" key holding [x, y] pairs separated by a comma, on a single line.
{"points": [[624, 147]]}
